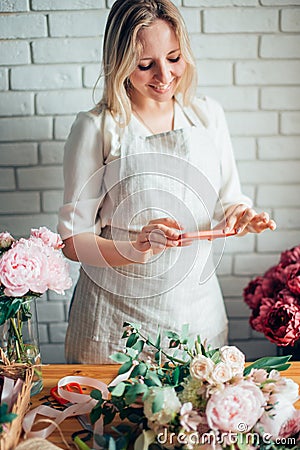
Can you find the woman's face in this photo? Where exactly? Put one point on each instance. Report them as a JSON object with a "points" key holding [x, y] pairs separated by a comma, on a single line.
{"points": [[161, 65]]}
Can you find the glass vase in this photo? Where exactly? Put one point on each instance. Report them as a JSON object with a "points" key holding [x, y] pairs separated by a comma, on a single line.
{"points": [[19, 339]]}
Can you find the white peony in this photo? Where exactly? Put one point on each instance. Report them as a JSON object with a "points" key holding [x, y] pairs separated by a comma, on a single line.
{"points": [[170, 407]]}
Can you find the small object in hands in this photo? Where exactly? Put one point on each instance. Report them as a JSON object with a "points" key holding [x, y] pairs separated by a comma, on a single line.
{"points": [[207, 234]]}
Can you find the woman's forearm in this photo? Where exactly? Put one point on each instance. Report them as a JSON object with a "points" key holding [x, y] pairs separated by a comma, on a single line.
{"points": [[94, 250]]}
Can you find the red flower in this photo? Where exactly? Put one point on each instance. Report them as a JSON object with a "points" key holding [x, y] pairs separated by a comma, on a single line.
{"points": [[282, 323], [259, 317], [253, 293], [293, 278], [291, 256]]}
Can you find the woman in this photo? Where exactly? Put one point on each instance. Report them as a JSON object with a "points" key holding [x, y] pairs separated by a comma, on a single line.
{"points": [[148, 163]]}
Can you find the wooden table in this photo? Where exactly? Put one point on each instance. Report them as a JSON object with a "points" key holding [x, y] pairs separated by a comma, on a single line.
{"points": [[105, 373]]}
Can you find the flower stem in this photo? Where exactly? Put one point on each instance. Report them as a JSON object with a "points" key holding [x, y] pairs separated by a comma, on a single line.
{"points": [[17, 331]]}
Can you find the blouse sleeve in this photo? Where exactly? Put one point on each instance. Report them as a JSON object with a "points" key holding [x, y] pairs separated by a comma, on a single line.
{"points": [[83, 176], [230, 191]]}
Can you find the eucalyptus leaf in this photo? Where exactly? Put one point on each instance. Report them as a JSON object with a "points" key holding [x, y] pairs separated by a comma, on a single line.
{"points": [[96, 394], [119, 357], [118, 390], [158, 402], [125, 367], [154, 378], [132, 339], [133, 392]]}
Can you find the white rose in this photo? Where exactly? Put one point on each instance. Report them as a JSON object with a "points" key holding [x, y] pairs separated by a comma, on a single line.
{"points": [[234, 357], [222, 373], [170, 407], [201, 368]]}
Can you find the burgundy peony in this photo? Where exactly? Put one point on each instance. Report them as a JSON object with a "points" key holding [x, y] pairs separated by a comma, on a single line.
{"points": [[274, 300], [293, 278], [291, 256], [282, 323]]}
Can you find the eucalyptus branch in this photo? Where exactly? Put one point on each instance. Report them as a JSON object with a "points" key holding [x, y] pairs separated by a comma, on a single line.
{"points": [[171, 358]]}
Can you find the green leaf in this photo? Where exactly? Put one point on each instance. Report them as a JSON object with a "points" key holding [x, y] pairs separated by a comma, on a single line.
{"points": [[268, 363], [172, 335], [125, 367], [139, 345], [185, 332], [153, 378], [96, 394], [134, 391], [95, 413], [175, 375], [118, 390], [119, 357], [158, 339], [140, 369], [132, 339], [158, 402]]}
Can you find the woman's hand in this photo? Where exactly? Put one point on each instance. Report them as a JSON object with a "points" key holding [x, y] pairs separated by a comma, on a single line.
{"points": [[157, 235], [243, 220]]}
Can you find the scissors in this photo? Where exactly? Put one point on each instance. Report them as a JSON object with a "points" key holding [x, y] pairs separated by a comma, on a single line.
{"points": [[87, 431]]}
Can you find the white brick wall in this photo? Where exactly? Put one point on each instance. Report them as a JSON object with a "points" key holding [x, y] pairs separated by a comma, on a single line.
{"points": [[248, 58]]}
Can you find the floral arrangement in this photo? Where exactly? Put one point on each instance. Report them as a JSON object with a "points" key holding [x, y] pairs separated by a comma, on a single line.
{"points": [[274, 300], [28, 268], [192, 397]]}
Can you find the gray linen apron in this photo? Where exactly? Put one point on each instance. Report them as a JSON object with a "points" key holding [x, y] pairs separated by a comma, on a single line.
{"points": [[174, 174]]}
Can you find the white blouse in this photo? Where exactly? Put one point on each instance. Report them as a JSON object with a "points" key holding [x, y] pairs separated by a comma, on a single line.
{"points": [[95, 140]]}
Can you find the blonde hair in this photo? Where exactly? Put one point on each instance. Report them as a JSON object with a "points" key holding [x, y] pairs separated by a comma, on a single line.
{"points": [[122, 49]]}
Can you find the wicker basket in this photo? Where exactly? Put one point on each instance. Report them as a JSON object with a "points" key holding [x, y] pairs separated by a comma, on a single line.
{"points": [[10, 438]]}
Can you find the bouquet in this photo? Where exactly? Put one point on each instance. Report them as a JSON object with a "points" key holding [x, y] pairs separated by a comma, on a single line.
{"points": [[274, 300], [28, 268], [189, 396]]}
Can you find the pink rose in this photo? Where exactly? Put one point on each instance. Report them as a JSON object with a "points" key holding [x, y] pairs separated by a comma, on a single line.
{"points": [[291, 256], [282, 323], [48, 237], [5, 240], [24, 268], [236, 404]]}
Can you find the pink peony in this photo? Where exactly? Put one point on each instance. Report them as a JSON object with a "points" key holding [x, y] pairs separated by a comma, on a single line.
{"points": [[282, 323], [291, 427], [235, 406], [48, 237], [24, 268], [58, 274], [274, 420]]}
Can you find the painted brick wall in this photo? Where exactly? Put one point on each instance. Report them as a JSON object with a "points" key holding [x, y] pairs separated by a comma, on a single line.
{"points": [[248, 56]]}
